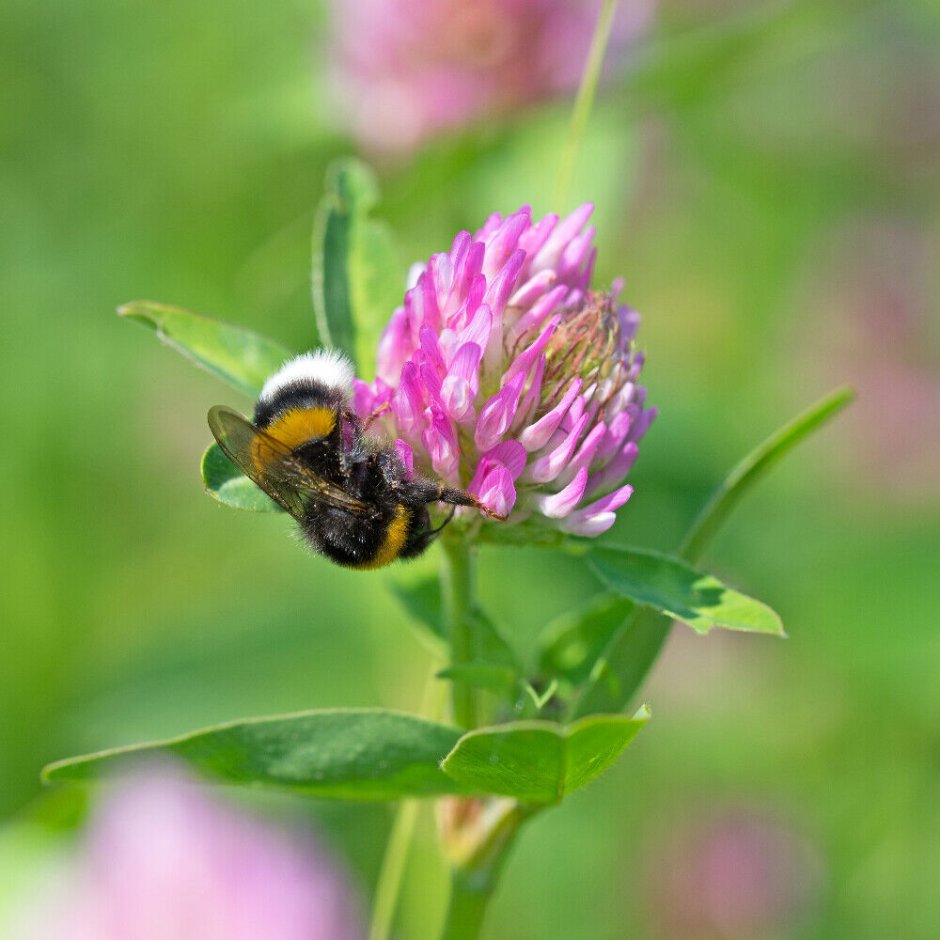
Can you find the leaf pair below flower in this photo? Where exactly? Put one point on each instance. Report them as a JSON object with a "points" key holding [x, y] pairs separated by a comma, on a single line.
{"points": [[372, 754]]}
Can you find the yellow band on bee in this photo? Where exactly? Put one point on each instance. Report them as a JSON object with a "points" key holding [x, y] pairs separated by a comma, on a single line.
{"points": [[393, 543], [292, 428]]}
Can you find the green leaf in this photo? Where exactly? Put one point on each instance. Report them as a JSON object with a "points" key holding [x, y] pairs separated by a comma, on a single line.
{"points": [[540, 761], [422, 602], [353, 754], [746, 473], [226, 483], [489, 644], [681, 592], [358, 278], [482, 675], [623, 665], [241, 357], [632, 650], [572, 643]]}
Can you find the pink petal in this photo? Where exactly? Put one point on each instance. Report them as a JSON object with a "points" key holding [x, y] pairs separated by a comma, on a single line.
{"points": [[615, 470], [394, 347], [557, 505], [532, 395], [408, 401], [537, 435], [578, 249], [505, 281], [479, 328], [523, 362], [532, 290], [617, 430], [599, 516], [582, 459], [460, 386], [431, 380], [611, 502], [589, 526], [511, 454], [504, 241], [468, 268], [556, 243], [642, 424], [544, 307], [547, 467], [431, 349], [497, 491], [407, 457], [363, 398], [532, 240], [497, 414], [440, 442]]}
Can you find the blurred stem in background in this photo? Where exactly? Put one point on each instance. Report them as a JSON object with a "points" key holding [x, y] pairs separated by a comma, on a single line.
{"points": [[583, 102]]}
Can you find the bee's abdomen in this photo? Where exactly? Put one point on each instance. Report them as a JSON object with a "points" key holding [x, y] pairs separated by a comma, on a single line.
{"points": [[355, 541]]}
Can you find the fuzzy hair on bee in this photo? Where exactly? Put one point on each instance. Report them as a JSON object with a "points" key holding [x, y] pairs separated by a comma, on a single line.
{"points": [[307, 449]]}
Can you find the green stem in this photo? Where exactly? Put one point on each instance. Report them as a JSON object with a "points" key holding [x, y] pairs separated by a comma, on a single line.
{"points": [[749, 470], [473, 882], [634, 649], [395, 859], [458, 571], [584, 101], [393, 869]]}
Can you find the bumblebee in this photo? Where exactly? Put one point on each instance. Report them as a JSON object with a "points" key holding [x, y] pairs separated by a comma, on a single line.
{"points": [[308, 451]]}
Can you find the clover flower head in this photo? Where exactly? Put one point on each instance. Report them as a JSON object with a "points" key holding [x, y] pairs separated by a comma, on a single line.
{"points": [[504, 372], [405, 69], [162, 859]]}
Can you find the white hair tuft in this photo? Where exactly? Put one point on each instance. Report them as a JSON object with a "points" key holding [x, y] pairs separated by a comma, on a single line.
{"points": [[327, 367]]}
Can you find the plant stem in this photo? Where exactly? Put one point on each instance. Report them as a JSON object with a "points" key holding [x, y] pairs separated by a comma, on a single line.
{"points": [[473, 882], [634, 649], [458, 571], [391, 874], [393, 869], [749, 470], [584, 101]]}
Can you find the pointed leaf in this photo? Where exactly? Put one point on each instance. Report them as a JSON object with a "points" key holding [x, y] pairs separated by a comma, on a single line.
{"points": [[226, 483], [358, 279], [482, 675], [354, 754], [540, 761], [618, 671], [422, 602], [632, 650], [241, 357], [676, 589], [746, 473], [572, 642]]}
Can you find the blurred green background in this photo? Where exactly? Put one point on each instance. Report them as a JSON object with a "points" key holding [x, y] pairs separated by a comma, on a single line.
{"points": [[766, 180]]}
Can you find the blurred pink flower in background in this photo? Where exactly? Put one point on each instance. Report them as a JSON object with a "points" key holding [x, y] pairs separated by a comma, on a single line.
{"points": [[405, 69], [505, 373], [737, 874], [163, 859], [874, 311]]}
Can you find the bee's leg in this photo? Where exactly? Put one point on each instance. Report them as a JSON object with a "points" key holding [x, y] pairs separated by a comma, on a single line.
{"points": [[376, 414], [460, 498], [433, 533], [427, 492]]}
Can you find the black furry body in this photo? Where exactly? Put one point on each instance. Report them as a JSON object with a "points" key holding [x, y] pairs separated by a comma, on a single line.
{"points": [[349, 493]]}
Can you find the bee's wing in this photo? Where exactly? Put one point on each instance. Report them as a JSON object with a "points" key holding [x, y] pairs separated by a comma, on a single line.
{"points": [[288, 481]]}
